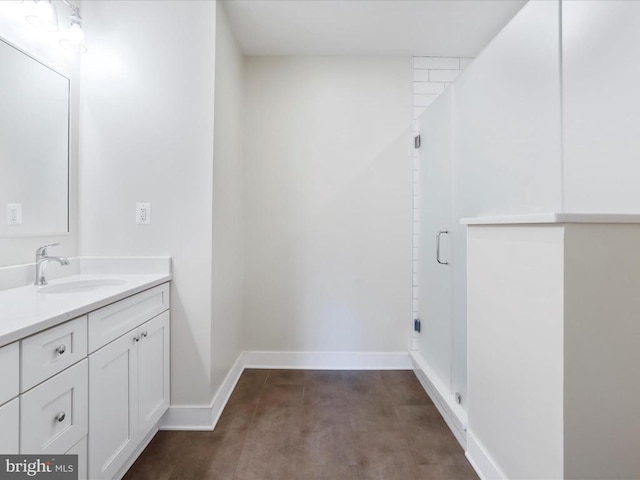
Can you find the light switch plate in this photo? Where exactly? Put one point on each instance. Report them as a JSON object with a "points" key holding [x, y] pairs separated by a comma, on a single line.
{"points": [[14, 214], [143, 213]]}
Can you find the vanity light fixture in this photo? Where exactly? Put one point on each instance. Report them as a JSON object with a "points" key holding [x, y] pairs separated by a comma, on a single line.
{"points": [[73, 38], [44, 16]]}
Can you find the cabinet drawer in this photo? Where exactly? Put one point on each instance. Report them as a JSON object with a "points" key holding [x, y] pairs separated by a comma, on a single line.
{"points": [[112, 321], [9, 372], [54, 415], [49, 352], [10, 428]]}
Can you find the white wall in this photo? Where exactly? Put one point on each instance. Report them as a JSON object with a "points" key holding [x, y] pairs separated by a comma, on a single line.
{"points": [[602, 354], [327, 203], [227, 252], [14, 28], [601, 103], [147, 109]]}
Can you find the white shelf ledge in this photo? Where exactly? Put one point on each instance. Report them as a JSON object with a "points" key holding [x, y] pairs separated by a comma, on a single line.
{"points": [[554, 218]]}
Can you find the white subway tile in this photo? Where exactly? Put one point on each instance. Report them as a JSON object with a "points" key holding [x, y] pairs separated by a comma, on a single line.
{"points": [[415, 279], [433, 88], [423, 100], [420, 76], [438, 63], [415, 292], [443, 75], [415, 306], [419, 62], [464, 62]]}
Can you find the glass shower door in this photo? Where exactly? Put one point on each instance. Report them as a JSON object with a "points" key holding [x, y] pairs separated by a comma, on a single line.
{"points": [[435, 341]]}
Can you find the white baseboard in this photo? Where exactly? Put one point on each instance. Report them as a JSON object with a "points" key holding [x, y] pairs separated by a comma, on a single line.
{"points": [[453, 414], [329, 360], [203, 417], [481, 461], [226, 389]]}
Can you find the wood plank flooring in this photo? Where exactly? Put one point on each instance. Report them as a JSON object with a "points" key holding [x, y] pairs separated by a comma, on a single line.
{"points": [[314, 425]]}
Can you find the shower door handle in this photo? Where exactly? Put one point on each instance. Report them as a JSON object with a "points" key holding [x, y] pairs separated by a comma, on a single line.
{"points": [[438, 247]]}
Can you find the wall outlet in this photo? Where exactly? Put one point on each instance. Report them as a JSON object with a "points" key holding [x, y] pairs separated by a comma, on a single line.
{"points": [[143, 213], [14, 214]]}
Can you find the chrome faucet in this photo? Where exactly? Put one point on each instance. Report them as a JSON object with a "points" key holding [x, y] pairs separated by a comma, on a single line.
{"points": [[42, 259]]}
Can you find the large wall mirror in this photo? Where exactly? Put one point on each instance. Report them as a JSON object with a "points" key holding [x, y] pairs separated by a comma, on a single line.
{"points": [[34, 146]]}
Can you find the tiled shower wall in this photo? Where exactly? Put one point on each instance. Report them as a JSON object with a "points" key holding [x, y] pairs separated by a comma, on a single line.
{"points": [[431, 75]]}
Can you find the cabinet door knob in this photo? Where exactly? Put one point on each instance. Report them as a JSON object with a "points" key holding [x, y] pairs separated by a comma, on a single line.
{"points": [[145, 333], [136, 338], [61, 349], [61, 416]]}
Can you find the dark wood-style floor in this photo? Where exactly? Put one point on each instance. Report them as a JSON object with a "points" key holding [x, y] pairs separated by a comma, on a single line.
{"points": [[303, 425]]}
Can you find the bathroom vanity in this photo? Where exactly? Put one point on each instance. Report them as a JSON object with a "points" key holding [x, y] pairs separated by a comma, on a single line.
{"points": [[84, 368]]}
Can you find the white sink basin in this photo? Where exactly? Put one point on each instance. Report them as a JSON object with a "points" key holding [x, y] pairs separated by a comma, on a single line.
{"points": [[80, 286]]}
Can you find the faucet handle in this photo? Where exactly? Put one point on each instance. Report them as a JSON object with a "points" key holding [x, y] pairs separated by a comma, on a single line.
{"points": [[42, 251]]}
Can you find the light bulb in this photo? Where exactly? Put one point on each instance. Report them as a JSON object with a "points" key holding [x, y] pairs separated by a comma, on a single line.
{"points": [[75, 33], [73, 38], [44, 16]]}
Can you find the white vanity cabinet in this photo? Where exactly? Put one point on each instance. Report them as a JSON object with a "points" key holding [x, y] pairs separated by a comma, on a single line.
{"points": [[9, 404], [128, 379], [94, 386]]}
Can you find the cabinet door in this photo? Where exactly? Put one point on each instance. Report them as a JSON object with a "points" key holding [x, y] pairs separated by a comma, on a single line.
{"points": [[10, 427], [80, 449], [113, 406], [153, 371]]}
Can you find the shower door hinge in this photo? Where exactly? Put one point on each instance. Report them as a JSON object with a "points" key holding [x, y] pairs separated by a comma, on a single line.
{"points": [[416, 141], [416, 325]]}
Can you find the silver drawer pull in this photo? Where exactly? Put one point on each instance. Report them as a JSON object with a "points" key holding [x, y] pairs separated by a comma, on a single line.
{"points": [[61, 416], [61, 349], [136, 338], [144, 334]]}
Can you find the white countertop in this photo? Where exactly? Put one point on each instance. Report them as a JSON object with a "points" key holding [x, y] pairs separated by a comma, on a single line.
{"points": [[24, 311], [554, 218]]}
